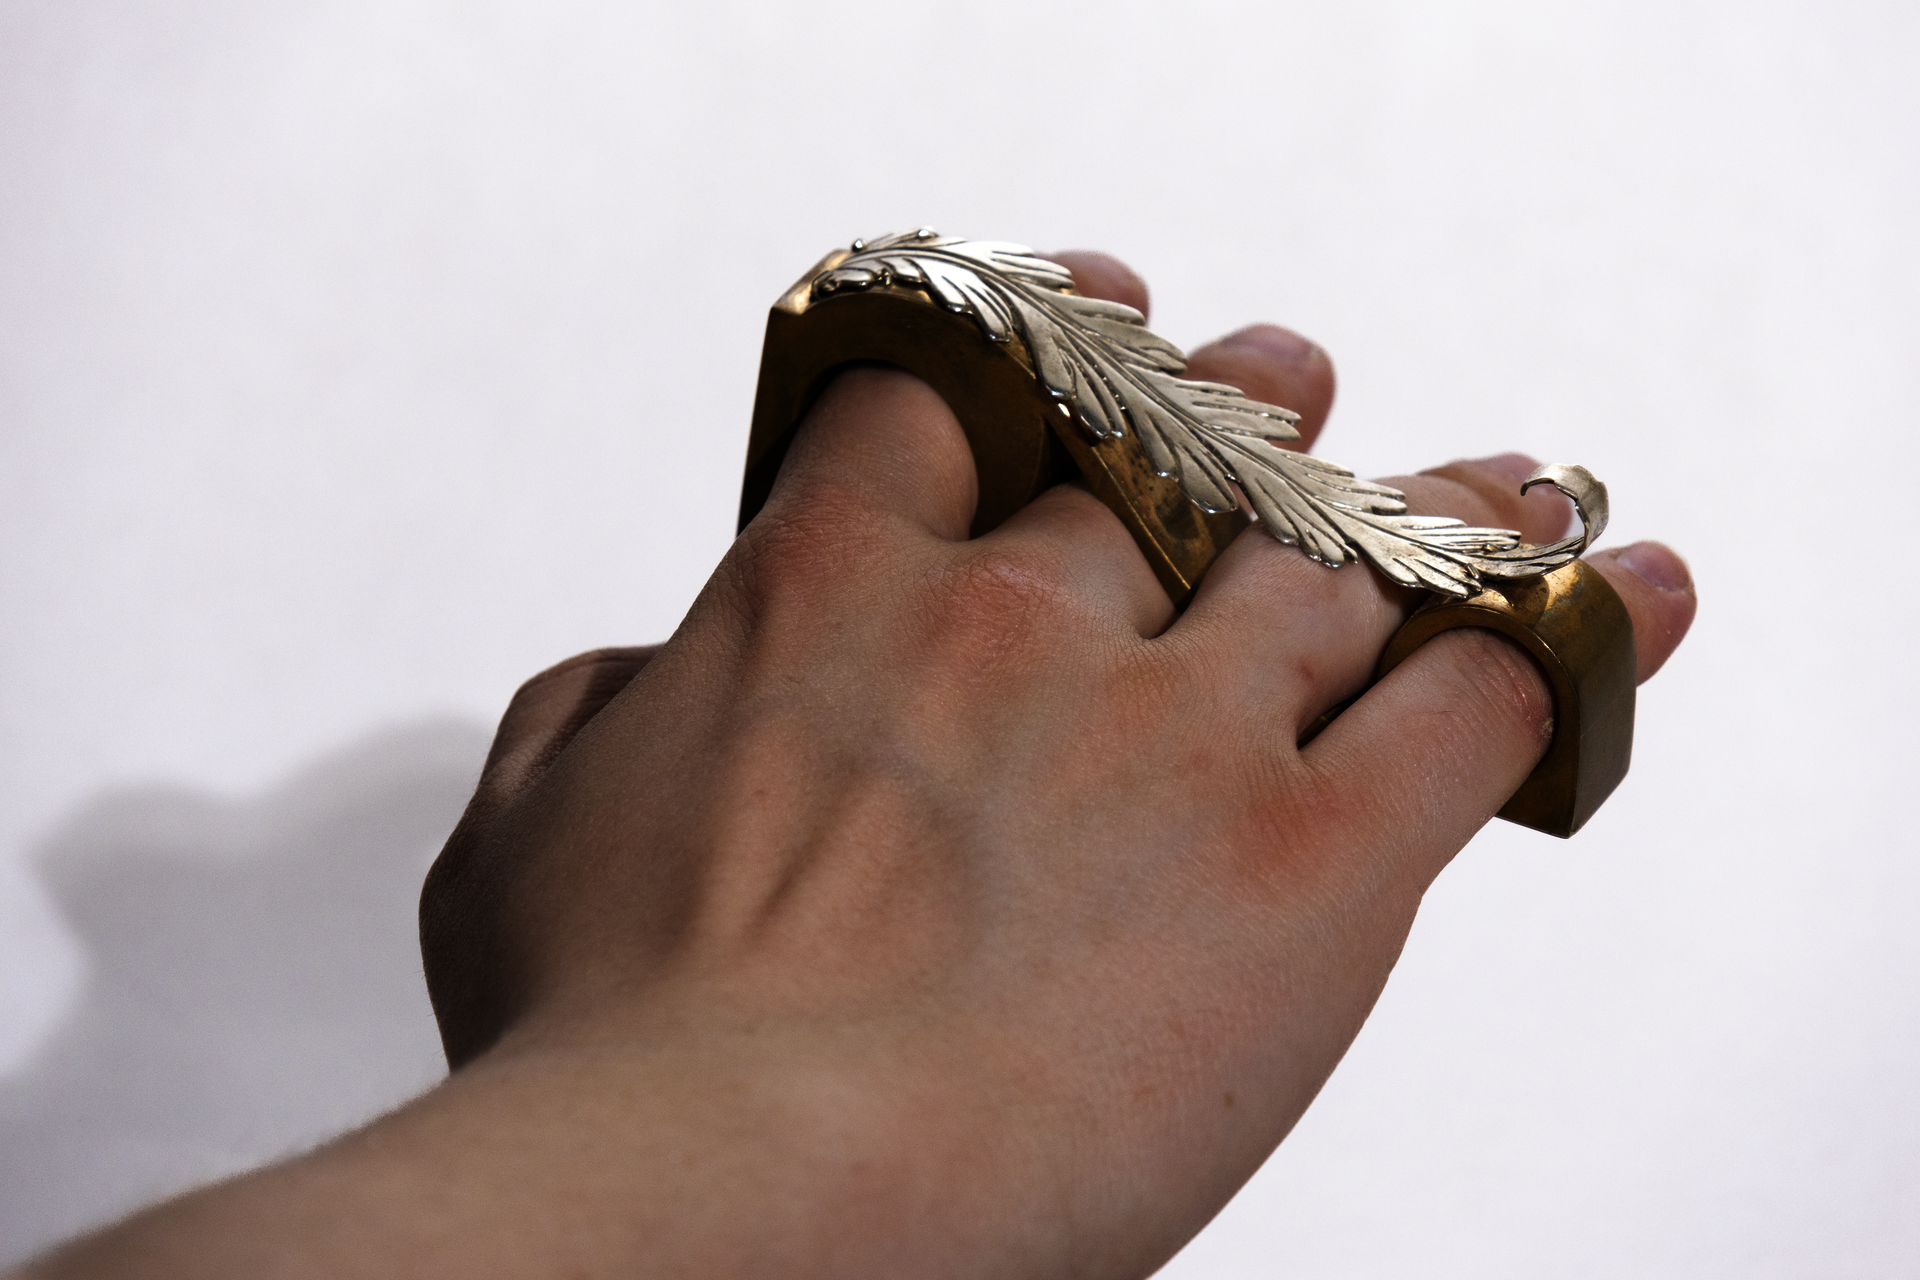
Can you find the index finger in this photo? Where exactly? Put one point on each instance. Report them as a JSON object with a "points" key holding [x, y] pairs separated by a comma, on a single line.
{"points": [[879, 442]]}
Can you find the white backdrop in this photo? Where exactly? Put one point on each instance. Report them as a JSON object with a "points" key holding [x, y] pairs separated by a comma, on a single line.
{"points": [[358, 359]]}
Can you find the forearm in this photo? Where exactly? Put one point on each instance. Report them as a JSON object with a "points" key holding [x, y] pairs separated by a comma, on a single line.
{"points": [[565, 1163]]}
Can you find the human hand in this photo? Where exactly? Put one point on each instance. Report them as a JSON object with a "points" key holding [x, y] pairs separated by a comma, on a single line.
{"points": [[979, 838], [941, 906]]}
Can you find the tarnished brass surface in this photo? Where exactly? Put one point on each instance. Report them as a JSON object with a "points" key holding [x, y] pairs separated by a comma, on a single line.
{"points": [[968, 317], [1574, 625]]}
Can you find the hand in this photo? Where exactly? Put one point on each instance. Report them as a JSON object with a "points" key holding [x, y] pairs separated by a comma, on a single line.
{"points": [[929, 905]]}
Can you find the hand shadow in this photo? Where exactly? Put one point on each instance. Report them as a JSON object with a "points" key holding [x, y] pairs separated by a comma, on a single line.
{"points": [[253, 982]]}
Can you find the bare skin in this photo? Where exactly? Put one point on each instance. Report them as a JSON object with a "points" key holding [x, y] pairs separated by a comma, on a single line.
{"points": [[925, 906]]}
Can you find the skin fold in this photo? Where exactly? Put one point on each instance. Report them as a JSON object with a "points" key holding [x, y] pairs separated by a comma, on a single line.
{"points": [[924, 906]]}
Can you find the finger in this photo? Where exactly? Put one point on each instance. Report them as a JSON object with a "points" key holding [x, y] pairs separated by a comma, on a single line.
{"points": [[1426, 757], [1467, 717], [1101, 275], [1302, 637], [1276, 366], [1289, 635], [1658, 589], [1075, 539], [879, 442]]}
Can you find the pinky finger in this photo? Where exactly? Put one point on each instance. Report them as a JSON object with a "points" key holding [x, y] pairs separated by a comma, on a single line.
{"points": [[1429, 754]]}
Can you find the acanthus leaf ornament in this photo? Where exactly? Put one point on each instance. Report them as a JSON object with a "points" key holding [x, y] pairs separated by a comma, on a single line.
{"points": [[1047, 386], [1100, 362]]}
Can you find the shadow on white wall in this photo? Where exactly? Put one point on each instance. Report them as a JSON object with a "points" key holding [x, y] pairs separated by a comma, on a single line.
{"points": [[253, 982]]}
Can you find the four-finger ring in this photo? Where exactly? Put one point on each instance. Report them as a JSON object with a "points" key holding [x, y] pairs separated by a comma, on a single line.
{"points": [[1047, 384]]}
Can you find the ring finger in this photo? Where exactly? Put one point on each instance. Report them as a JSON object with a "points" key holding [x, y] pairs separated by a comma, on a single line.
{"points": [[1304, 637]]}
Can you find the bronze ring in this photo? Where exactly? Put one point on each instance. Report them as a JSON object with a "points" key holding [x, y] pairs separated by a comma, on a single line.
{"points": [[1048, 384]]}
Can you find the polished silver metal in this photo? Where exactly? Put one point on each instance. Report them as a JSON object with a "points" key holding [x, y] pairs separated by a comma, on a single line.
{"points": [[1113, 376], [1588, 495]]}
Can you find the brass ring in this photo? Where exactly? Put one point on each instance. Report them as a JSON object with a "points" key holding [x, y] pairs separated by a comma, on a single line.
{"points": [[1047, 383]]}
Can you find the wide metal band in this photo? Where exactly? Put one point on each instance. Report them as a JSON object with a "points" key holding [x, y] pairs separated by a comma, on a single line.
{"points": [[1047, 385], [1574, 625]]}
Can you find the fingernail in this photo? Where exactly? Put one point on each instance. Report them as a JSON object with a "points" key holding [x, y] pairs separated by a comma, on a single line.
{"points": [[1655, 565], [1514, 466], [1272, 341]]}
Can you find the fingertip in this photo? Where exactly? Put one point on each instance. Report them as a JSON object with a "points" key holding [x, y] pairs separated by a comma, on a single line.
{"points": [[1657, 565], [1101, 275], [1658, 589], [1277, 343]]}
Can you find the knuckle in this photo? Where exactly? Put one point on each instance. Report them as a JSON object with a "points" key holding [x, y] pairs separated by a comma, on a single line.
{"points": [[1143, 694], [1301, 828], [802, 550], [996, 599], [1067, 527], [1276, 570]]}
